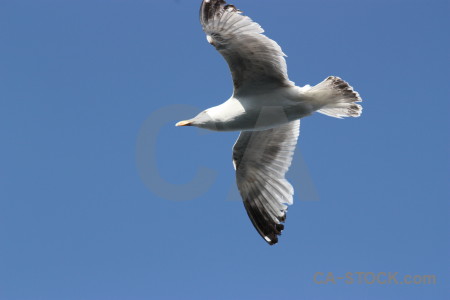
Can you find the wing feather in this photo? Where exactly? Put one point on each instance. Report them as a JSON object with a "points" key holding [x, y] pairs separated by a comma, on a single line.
{"points": [[254, 59], [261, 159]]}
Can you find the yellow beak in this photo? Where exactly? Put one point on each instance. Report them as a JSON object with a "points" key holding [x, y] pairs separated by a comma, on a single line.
{"points": [[184, 123]]}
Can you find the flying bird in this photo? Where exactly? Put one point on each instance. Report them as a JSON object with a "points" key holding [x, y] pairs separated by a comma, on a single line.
{"points": [[266, 107]]}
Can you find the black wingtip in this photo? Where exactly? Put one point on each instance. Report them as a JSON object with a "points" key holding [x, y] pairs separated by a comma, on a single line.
{"points": [[272, 240], [263, 223], [211, 8]]}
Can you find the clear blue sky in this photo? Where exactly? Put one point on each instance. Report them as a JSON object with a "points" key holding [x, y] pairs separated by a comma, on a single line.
{"points": [[80, 82]]}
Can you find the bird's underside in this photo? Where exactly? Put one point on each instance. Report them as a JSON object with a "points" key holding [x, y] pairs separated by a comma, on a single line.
{"points": [[262, 157]]}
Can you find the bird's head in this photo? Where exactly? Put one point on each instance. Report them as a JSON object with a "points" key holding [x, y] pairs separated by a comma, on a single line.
{"points": [[202, 120]]}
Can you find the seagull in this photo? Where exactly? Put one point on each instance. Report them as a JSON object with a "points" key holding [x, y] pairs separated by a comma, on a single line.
{"points": [[266, 107]]}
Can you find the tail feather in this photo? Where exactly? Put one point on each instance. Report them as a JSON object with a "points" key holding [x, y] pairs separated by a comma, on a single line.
{"points": [[336, 98]]}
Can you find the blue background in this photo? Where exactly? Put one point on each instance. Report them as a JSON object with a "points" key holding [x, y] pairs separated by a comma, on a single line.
{"points": [[78, 79]]}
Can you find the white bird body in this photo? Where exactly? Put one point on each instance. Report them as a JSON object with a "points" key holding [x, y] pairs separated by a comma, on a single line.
{"points": [[258, 111], [266, 107]]}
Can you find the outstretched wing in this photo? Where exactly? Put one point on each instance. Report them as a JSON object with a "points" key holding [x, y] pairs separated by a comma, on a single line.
{"points": [[261, 160], [255, 60]]}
